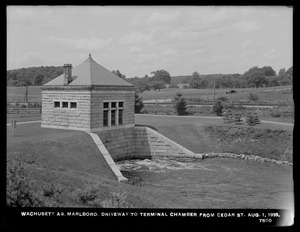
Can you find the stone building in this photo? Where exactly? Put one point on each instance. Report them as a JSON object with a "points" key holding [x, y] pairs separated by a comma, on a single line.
{"points": [[87, 97]]}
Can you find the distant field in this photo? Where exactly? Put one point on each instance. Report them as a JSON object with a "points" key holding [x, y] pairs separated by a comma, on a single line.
{"points": [[277, 94], [17, 94]]}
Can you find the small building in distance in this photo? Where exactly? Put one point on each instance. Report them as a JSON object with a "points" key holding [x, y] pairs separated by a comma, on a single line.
{"points": [[87, 97]]}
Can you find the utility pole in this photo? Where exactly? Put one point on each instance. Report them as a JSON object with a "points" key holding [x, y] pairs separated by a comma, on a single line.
{"points": [[214, 89], [26, 93]]}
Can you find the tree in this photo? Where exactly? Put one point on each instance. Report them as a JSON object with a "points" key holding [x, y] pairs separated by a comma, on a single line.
{"points": [[161, 75], [139, 105], [255, 77], [157, 85], [268, 71], [195, 75], [38, 79], [282, 73], [180, 104], [289, 73], [197, 83], [119, 74], [142, 86]]}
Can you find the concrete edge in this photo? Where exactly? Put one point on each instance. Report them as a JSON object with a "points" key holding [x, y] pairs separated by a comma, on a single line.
{"points": [[109, 160], [187, 153]]}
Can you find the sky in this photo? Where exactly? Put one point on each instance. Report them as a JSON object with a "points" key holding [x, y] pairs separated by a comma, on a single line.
{"points": [[138, 40]]}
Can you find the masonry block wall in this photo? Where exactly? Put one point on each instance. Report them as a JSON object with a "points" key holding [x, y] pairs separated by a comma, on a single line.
{"points": [[137, 142], [68, 117], [111, 95], [119, 142]]}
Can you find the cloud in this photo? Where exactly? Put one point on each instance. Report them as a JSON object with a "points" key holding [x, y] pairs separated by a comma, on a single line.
{"points": [[28, 15], [30, 58], [134, 37], [168, 52], [134, 49], [271, 55], [246, 27], [163, 17], [81, 44]]}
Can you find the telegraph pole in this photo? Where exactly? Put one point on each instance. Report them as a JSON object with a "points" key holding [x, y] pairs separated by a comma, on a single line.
{"points": [[214, 89]]}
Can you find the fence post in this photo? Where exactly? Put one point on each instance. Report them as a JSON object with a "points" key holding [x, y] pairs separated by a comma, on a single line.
{"points": [[13, 127]]}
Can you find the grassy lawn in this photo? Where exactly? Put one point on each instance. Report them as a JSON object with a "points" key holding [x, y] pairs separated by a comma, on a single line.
{"points": [[69, 160], [200, 135]]}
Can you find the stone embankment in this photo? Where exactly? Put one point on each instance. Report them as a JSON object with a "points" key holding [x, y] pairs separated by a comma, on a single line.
{"points": [[245, 157]]}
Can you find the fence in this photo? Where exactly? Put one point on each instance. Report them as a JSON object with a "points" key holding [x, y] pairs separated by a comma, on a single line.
{"points": [[23, 108]]}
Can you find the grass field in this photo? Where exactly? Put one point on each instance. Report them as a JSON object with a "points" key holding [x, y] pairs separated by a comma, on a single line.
{"points": [[278, 94], [198, 135], [70, 161], [269, 95]]}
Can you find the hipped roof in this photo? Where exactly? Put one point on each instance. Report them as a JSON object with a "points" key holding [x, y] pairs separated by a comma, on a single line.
{"points": [[90, 73]]}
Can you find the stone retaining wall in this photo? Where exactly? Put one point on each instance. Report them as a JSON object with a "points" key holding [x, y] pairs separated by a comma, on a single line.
{"points": [[140, 142], [245, 157]]}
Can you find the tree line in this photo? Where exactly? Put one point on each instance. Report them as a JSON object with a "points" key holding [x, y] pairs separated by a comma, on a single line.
{"points": [[254, 77]]}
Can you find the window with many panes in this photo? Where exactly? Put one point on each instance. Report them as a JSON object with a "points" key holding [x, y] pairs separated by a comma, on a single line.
{"points": [[73, 105], [113, 113], [65, 104], [56, 104]]}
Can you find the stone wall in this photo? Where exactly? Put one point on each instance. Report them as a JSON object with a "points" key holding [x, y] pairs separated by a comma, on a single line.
{"points": [[77, 118], [99, 96], [88, 115], [119, 142], [140, 142]]}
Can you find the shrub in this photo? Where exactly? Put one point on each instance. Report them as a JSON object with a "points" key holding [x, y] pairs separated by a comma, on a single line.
{"points": [[223, 99], [19, 187], [86, 196], [238, 117], [253, 97], [225, 116], [180, 104], [117, 200], [51, 190], [173, 86], [139, 105], [218, 108], [252, 119]]}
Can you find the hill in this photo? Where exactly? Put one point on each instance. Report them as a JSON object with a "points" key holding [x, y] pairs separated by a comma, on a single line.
{"points": [[32, 76]]}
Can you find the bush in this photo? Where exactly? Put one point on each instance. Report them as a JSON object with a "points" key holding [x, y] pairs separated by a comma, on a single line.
{"points": [[139, 105], [180, 104], [117, 200], [19, 187], [253, 97], [237, 117], [173, 86], [86, 196], [218, 108], [252, 119]]}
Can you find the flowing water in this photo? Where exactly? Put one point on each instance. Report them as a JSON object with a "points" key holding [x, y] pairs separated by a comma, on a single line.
{"points": [[215, 182]]}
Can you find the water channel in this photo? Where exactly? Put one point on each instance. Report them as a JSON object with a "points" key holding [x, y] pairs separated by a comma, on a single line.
{"points": [[216, 182]]}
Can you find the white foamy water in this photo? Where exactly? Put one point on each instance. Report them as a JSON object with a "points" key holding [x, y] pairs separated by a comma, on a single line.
{"points": [[161, 165]]}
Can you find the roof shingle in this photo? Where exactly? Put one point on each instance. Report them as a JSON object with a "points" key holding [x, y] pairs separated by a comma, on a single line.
{"points": [[90, 73]]}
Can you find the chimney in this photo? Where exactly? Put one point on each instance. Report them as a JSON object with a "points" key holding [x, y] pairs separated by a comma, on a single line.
{"points": [[67, 73]]}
